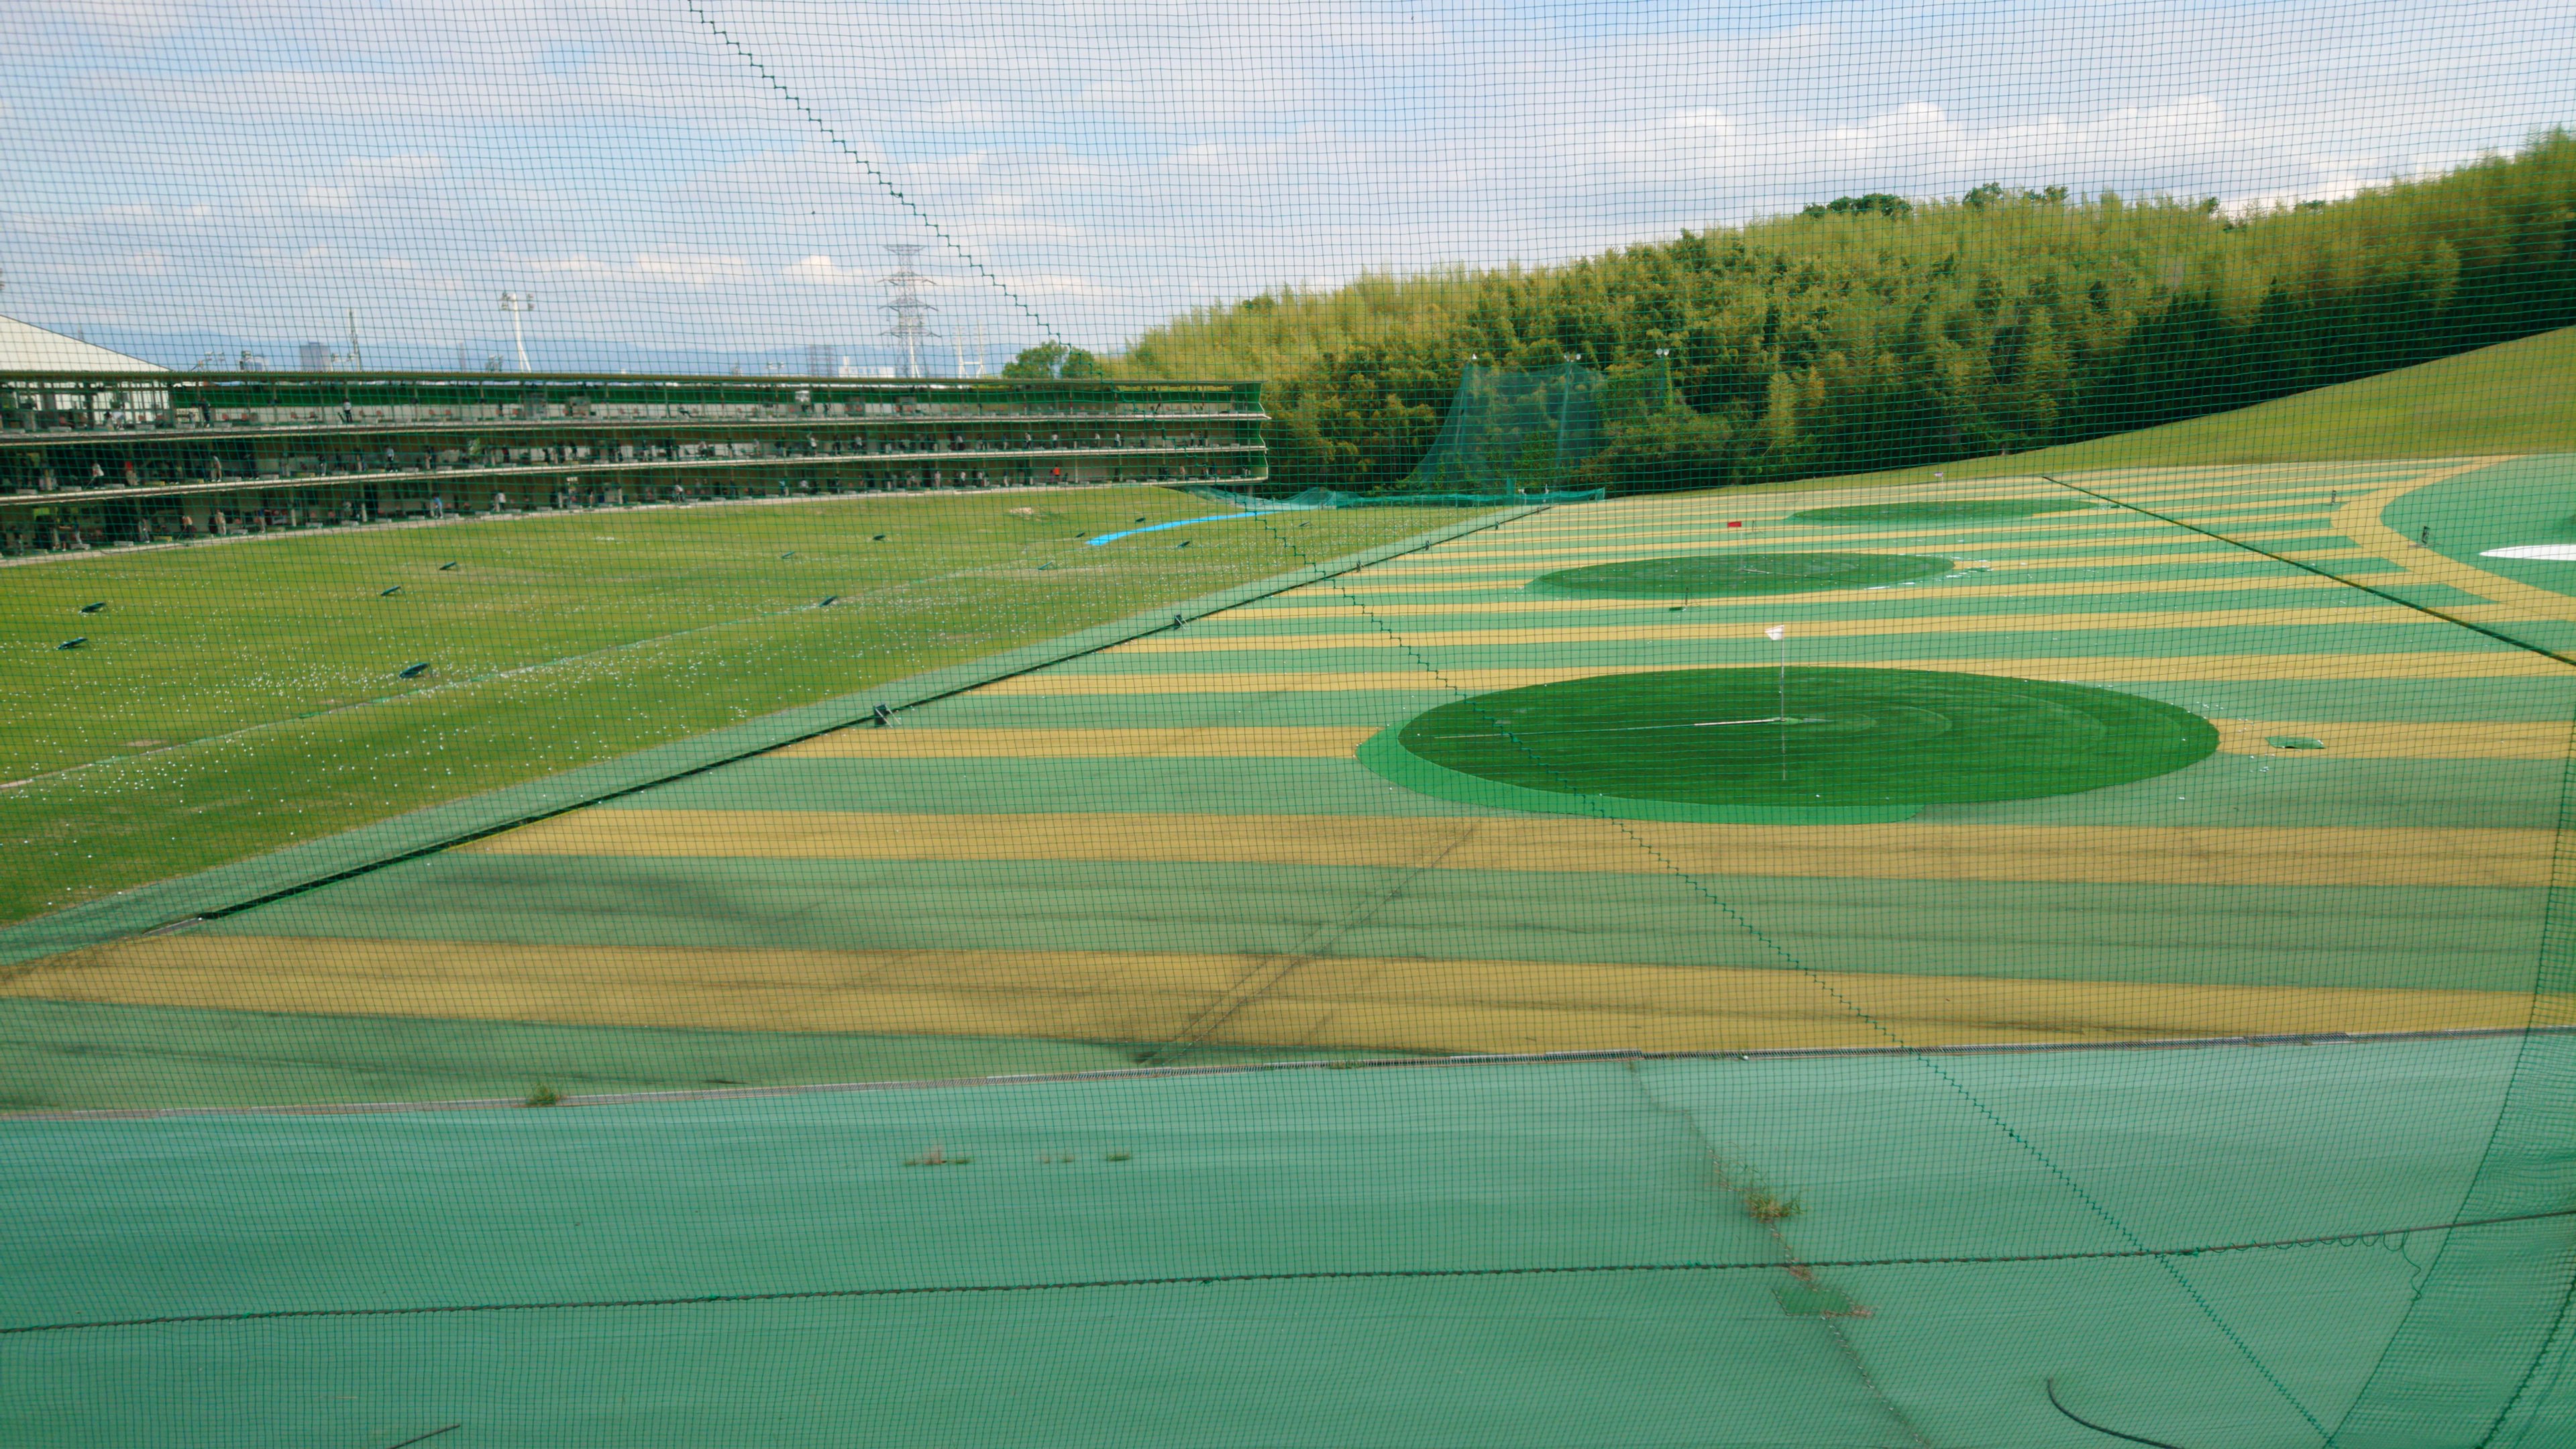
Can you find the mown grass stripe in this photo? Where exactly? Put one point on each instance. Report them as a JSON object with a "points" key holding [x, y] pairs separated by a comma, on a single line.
{"points": [[2397, 740], [1396, 1004], [1067, 744], [2083, 520], [2360, 520], [2180, 855], [2339, 739], [2090, 669], [1325, 604], [2356, 615], [2195, 553]]}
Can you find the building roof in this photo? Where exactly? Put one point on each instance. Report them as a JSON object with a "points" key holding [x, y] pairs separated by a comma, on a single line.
{"points": [[25, 347]]}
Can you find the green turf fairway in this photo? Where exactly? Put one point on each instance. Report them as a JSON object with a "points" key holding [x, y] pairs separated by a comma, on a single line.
{"points": [[2518, 504], [1941, 510], [1176, 849], [1419, 1178], [237, 697], [1707, 576], [55, 1053], [1198, 838], [1793, 738], [2290, 933]]}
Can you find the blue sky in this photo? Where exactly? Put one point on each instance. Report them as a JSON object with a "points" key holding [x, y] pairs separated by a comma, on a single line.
{"points": [[259, 166]]}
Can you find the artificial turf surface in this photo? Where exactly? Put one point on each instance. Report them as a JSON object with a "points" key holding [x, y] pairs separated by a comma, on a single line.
{"points": [[1942, 510], [1423, 1255], [1159, 811], [1472, 1197], [234, 698], [1707, 576], [1169, 841], [2469, 515], [54, 1053], [1805, 737]]}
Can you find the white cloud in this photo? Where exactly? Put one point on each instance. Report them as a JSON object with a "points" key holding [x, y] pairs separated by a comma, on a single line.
{"points": [[823, 271], [672, 268], [1054, 284], [1117, 159]]}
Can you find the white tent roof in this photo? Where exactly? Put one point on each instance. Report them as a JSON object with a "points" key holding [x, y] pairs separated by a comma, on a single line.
{"points": [[25, 347]]}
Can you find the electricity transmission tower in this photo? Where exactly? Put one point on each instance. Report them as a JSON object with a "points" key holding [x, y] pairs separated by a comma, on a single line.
{"points": [[911, 328]]}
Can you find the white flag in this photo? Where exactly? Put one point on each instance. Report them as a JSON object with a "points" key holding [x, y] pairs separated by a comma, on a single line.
{"points": [[1776, 631]]}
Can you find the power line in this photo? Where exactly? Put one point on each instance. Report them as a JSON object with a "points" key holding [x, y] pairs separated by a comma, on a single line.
{"points": [[2364, 1237], [2418, 606], [883, 180]]}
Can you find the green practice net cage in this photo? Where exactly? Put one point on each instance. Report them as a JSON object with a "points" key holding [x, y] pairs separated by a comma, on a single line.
{"points": [[1508, 433], [1394, 725]]}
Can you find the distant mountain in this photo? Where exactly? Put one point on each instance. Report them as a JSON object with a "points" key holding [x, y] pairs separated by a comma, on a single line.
{"points": [[222, 351]]}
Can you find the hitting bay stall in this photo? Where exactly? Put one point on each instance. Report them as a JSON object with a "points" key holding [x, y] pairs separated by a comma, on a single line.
{"points": [[91, 459]]}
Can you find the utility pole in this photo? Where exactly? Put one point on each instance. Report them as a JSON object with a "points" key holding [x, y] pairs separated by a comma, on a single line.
{"points": [[518, 304]]}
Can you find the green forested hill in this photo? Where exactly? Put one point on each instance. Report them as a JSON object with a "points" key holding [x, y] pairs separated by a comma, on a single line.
{"points": [[1885, 336]]}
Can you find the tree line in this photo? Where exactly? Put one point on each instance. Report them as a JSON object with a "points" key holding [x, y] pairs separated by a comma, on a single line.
{"points": [[1873, 332]]}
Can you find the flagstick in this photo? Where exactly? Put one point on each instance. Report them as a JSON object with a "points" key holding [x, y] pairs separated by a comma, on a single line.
{"points": [[1779, 634], [1784, 709]]}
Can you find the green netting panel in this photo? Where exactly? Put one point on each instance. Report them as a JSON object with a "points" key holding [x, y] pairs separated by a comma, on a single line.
{"points": [[1312, 726], [1520, 433]]}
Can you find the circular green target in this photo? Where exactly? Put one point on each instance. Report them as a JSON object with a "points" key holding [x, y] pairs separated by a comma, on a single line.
{"points": [[1953, 510], [1751, 743], [1712, 575]]}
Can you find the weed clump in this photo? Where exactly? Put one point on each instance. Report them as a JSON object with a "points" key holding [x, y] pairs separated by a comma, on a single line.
{"points": [[542, 1094], [1761, 1201], [1766, 1207]]}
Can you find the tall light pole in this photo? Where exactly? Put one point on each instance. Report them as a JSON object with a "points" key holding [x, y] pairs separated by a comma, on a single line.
{"points": [[518, 304]]}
